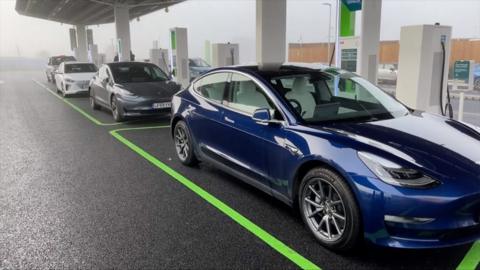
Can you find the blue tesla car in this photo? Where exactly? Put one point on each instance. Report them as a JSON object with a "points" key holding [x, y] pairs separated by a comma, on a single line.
{"points": [[355, 162]]}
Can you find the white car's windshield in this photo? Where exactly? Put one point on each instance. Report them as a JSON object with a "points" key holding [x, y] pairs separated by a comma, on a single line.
{"points": [[80, 68], [332, 96]]}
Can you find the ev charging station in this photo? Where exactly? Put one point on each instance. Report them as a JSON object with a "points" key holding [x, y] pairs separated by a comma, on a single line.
{"points": [[179, 45], [159, 57], [423, 67], [225, 54]]}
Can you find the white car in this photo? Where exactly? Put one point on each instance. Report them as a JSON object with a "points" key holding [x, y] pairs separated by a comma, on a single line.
{"points": [[53, 63], [387, 73], [74, 77]]}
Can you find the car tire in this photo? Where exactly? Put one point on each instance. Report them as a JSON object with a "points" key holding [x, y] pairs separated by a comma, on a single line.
{"points": [[184, 144], [64, 94], [116, 112], [93, 103], [323, 215]]}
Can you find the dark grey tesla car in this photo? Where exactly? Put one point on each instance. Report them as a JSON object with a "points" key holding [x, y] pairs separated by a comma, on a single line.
{"points": [[132, 89]]}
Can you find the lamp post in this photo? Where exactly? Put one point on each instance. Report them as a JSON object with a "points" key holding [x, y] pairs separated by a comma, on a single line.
{"points": [[329, 29]]}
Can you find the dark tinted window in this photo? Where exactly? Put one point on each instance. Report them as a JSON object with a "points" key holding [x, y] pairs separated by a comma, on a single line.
{"points": [[212, 86], [135, 73], [57, 60], [198, 62], [80, 68]]}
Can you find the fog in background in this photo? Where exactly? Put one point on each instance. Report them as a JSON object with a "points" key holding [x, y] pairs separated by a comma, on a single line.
{"points": [[227, 21]]}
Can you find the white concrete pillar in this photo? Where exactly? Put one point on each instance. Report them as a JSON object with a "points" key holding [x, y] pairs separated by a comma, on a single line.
{"points": [[122, 27], [82, 48], [271, 33], [370, 39]]}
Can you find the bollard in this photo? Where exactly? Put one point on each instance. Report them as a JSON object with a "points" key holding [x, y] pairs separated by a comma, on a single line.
{"points": [[460, 106]]}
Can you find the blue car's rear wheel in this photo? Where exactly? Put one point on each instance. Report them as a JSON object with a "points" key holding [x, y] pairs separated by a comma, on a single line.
{"points": [[329, 209], [183, 144]]}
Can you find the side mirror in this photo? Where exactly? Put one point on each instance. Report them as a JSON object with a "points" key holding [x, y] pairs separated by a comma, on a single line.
{"points": [[262, 116]]}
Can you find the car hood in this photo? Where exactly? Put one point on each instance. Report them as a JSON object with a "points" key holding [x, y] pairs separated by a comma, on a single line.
{"points": [[163, 89], [426, 140]]}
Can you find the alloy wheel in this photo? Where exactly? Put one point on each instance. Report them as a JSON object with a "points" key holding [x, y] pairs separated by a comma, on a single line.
{"points": [[181, 143], [324, 210], [115, 109]]}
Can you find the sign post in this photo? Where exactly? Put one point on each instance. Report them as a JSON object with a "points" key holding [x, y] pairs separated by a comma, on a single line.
{"points": [[463, 73]]}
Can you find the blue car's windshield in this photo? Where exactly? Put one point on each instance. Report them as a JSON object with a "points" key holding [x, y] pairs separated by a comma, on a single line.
{"points": [[320, 97]]}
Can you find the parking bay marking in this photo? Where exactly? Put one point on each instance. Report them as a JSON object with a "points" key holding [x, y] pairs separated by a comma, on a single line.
{"points": [[75, 107], [263, 235], [471, 259]]}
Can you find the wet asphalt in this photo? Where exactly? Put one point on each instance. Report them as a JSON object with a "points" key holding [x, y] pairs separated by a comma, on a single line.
{"points": [[73, 196]]}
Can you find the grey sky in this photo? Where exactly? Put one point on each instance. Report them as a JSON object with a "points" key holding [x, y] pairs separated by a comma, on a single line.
{"points": [[229, 20]]}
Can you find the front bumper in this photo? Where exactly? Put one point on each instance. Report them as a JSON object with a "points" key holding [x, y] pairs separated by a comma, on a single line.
{"points": [[402, 218], [139, 106], [76, 87]]}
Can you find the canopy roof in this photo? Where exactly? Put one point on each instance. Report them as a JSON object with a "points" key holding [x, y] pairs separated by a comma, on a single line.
{"points": [[87, 12]]}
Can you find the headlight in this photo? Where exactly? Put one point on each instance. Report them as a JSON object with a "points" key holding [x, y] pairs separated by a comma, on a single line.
{"points": [[124, 92], [394, 174], [68, 80]]}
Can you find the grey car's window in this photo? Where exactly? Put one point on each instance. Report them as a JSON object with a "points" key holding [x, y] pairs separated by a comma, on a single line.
{"points": [[247, 96], [212, 86], [137, 73], [102, 73]]}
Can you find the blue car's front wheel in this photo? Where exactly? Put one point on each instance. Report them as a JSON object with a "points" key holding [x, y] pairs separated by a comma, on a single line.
{"points": [[329, 209]]}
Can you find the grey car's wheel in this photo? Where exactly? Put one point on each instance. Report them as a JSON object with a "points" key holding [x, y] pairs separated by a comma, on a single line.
{"points": [[477, 84], [116, 111], [183, 144], [93, 103], [329, 210]]}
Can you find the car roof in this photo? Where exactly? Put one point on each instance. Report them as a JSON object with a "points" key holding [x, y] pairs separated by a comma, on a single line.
{"points": [[113, 64], [62, 56], [76, 62], [284, 68]]}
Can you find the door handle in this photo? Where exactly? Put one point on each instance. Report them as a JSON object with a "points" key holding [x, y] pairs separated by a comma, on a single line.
{"points": [[293, 150], [229, 120]]}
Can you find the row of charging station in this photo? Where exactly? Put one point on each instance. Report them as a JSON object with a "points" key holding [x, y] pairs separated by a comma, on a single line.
{"points": [[422, 69], [177, 63]]}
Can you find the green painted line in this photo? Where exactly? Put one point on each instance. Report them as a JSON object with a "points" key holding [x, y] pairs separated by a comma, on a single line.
{"points": [[263, 235], [75, 107], [472, 259]]}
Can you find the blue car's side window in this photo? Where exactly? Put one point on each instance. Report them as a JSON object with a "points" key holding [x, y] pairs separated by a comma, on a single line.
{"points": [[247, 96], [212, 86]]}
